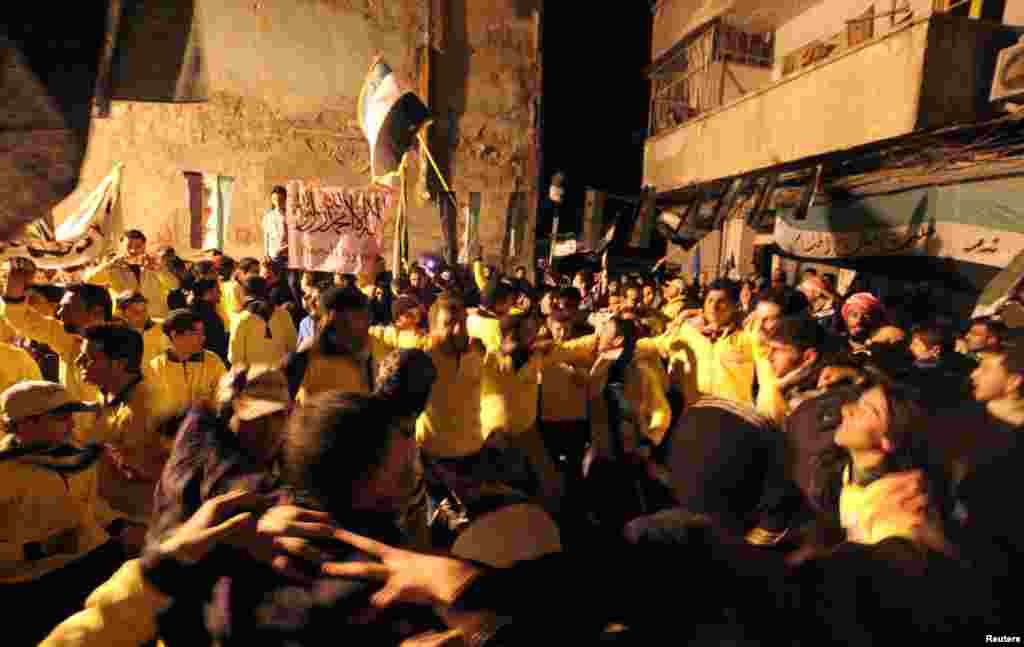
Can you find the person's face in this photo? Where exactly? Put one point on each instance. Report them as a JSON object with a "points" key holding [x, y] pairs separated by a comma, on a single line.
{"points": [[719, 310], [267, 272], [520, 273], [189, 342], [608, 339], [558, 329], [73, 314], [580, 283], [991, 381], [94, 365], [921, 351], [53, 428], [746, 293], [614, 301], [633, 297], [387, 489], [864, 422], [768, 315], [449, 325], [670, 290], [648, 294], [136, 314], [133, 247], [783, 358], [832, 375], [858, 322], [978, 339], [416, 280], [311, 301]]}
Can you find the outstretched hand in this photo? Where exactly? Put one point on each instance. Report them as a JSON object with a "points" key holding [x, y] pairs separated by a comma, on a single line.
{"points": [[407, 577]]}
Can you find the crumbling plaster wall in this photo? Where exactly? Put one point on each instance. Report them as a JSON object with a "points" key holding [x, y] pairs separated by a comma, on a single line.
{"points": [[284, 77]]}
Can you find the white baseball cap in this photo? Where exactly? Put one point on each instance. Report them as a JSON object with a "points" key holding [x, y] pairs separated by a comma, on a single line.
{"points": [[36, 397]]}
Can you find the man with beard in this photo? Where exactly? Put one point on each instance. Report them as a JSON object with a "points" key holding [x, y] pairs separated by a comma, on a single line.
{"points": [[863, 313], [82, 305]]}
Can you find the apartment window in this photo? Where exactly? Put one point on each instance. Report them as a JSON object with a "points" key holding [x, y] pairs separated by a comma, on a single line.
{"points": [[688, 80]]}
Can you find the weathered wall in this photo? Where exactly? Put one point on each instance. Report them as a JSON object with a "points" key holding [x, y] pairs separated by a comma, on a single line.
{"points": [[1014, 13], [284, 77]]}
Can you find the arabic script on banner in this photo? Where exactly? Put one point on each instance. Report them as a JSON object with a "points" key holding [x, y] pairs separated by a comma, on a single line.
{"points": [[334, 229]]}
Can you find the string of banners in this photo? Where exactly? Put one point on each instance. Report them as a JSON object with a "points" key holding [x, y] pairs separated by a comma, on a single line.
{"points": [[335, 229]]}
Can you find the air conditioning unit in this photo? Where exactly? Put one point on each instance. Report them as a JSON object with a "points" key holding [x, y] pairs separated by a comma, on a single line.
{"points": [[1008, 84]]}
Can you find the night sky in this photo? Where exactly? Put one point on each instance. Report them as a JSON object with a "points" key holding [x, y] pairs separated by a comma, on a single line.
{"points": [[595, 100]]}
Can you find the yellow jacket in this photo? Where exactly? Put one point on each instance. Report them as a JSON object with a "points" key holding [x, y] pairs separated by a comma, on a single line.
{"points": [[249, 342], [7, 331], [449, 426], [326, 371], [672, 309], [154, 341], [485, 328], [60, 517], [478, 275], [182, 384], [49, 331], [399, 338], [122, 612], [564, 392], [131, 425], [724, 368], [154, 285], [231, 300], [16, 365], [508, 397], [646, 384]]}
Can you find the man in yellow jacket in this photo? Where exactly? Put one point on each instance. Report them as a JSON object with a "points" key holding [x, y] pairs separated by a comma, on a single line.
{"points": [[133, 271], [404, 332], [263, 335], [343, 356], [54, 549], [82, 305], [128, 419], [134, 308], [716, 349], [185, 374]]}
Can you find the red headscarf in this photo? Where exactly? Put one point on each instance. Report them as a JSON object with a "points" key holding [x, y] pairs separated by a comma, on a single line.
{"points": [[863, 301]]}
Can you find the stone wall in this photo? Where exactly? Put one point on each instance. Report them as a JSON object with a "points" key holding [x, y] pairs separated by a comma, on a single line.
{"points": [[284, 77]]}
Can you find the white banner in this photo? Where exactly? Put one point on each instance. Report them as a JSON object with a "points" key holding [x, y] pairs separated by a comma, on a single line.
{"points": [[333, 229], [83, 237]]}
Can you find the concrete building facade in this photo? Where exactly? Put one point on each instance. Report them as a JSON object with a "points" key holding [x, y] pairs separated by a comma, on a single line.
{"points": [[280, 82], [837, 77]]}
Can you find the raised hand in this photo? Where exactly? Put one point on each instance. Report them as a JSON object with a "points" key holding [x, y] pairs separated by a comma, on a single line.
{"points": [[408, 577]]}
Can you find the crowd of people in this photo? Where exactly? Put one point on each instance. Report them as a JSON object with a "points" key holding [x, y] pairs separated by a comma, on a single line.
{"points": [[190, 448]]}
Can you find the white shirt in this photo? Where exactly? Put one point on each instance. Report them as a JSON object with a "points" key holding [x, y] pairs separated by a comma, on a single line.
{"points": [[275, 235]]}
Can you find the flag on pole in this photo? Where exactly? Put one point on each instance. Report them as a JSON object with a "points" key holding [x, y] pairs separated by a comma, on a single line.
{"points": [[82, 237], [390, 117]]}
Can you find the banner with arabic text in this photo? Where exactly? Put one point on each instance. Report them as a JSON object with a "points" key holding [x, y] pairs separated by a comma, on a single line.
{"points": [[82, 237], [335, 229]]}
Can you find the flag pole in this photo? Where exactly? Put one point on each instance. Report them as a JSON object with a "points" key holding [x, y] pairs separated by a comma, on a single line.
{"points": [[437, 171]]}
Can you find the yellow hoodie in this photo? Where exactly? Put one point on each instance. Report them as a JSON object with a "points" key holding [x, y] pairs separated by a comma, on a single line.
{"points": [[449, 426], [16, 365], [182, 384], [508, 397], [130, 424], [399, 338], [47, 520], [46, 330], [122, 612], [336, 372], [250, 344]]}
